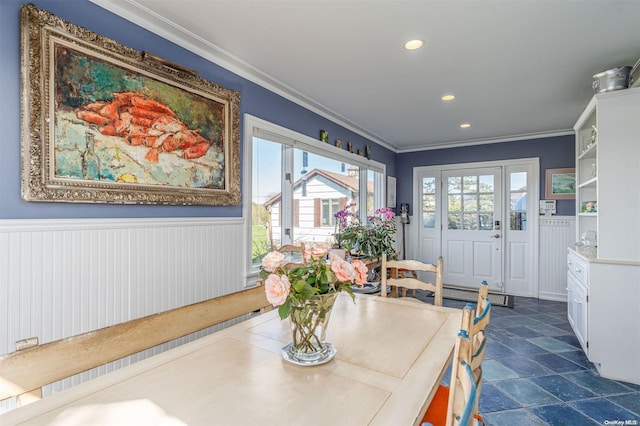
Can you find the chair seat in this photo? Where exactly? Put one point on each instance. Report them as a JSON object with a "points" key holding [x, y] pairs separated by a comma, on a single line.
{"points": [[436, 414]]}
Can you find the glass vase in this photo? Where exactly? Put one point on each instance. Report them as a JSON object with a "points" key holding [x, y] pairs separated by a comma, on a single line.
{"points": [[309, 320]]}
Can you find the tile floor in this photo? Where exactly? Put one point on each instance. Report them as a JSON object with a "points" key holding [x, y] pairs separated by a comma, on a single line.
{"points": [[535, 372]]}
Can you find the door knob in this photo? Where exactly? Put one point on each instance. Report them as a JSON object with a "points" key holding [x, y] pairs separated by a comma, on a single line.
{"points": [[496, 235]]}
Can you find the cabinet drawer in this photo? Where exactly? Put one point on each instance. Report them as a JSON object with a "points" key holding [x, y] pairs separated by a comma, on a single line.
{"points": [[578, 267]]}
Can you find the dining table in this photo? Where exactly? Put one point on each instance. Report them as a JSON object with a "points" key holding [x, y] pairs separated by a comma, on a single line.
{"points": [[391, 356]]}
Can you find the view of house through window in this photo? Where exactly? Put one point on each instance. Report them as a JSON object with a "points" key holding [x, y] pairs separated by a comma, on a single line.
{"points": [[295, 194]]}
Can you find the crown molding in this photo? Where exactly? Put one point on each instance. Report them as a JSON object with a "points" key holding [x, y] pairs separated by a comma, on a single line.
{"points": [[145, 18], [514, 138]]}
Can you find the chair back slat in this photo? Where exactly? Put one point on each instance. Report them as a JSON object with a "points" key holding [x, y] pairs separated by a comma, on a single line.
{"points": [[403, 274]]}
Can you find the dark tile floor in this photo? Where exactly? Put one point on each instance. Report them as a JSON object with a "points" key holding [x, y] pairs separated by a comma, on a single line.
{"points": [[535, 372]]}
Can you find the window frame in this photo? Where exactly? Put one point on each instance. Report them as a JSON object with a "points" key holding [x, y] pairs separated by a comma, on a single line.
{"points": [[256, 127]]}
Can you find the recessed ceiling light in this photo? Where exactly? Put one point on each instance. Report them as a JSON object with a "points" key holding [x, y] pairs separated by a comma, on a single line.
{"points": [[448, 98], [465, 125], [413, 44]]}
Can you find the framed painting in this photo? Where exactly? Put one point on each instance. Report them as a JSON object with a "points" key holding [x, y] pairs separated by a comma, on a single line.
{"points": [[104, 123], [560, 184], [391, 192]]}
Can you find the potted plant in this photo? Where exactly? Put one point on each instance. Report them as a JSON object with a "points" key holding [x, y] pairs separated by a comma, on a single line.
{"points": [[370, 240]]}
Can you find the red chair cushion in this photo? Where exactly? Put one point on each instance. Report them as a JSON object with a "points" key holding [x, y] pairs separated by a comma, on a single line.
{"points": [[437, 412]]}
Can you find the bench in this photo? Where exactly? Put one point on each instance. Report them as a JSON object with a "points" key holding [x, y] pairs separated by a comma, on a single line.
{"points": [[25, 371]]}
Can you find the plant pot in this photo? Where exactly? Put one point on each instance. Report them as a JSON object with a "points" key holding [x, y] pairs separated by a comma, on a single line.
{"points": [[340, 252]]}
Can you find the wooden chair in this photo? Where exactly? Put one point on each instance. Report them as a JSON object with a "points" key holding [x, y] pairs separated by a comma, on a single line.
{"points": [[483, 294], [458, 404], [404, 280], [294, 255]]}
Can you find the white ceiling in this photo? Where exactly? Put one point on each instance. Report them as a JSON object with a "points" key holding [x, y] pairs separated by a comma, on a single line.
{"points": [[518, 68]]}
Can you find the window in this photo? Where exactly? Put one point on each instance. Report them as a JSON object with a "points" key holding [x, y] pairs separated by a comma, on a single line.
{"points": [[429, 202], [470, 202], [518, 204], [298, 185], [329, 207]]}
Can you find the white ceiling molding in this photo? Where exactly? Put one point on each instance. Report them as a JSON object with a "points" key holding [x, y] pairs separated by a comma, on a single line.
{"points": [[143, 17]]}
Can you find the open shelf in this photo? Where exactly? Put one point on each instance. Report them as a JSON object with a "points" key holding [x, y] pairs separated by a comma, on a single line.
{"points": [[591, 182], [590, 152]]}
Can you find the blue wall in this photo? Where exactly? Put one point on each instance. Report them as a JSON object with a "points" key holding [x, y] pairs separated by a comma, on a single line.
{"points": [[255, 100], [553, 153]]}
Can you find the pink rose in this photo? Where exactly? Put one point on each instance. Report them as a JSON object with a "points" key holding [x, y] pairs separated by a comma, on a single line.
{"points": [[361, 271], [277, 289], [344, 270], [317, 250], [272, 261]]}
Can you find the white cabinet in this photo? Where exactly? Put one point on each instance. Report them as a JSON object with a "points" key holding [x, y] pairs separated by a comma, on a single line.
{"points": [[603, 282], [577, 301], [608, 174], [602, 308]]}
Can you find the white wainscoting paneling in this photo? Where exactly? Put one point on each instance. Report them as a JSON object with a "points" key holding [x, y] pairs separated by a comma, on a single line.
{"points": [[556, 234], [63, 277]]}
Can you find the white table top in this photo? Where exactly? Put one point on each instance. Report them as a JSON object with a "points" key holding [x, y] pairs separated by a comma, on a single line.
{"points": [[391, 355]]}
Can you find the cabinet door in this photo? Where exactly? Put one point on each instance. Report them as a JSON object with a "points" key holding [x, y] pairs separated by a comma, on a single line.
{"points": [[577, 309]]}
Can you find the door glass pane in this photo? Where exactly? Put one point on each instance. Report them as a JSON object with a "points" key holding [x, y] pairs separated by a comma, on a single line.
{"points": [[470, 184], [454, 221], [518, 201], [485, 222], [477, 198], [455, 203], [470, 203], [266, 200], [486, 202], [429, 202], [428, 219], [486, 183], [454, 185], [470, 221]]}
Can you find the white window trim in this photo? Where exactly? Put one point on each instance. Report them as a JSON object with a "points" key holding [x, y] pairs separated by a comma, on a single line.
{"points": [[254, 126]]}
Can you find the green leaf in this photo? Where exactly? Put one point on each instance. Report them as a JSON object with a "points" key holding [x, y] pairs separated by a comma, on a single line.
{"points": [[299, 285], [285, 309]]}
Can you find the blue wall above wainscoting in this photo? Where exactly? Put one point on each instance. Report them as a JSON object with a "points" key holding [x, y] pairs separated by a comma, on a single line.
{"points": [[255, 100], [554, 152]]}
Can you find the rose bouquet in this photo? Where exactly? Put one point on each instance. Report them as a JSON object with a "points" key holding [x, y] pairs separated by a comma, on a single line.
{"points": [[292, 284], [306, 293]]}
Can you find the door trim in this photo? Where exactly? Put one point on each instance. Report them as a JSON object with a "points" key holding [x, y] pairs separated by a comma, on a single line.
{"points": [[534, 191]]}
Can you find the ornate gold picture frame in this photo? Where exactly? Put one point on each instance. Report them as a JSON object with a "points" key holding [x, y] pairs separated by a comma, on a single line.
{"points": [[103, 123]]}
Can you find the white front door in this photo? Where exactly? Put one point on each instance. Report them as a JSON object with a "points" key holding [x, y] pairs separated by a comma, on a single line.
{"points": [[457, 209], [472, 226]]}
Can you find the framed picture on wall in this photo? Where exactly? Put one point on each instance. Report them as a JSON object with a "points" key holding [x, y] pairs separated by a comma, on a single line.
{"points": [[560, 184], [104, 123], [391, 191]]}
